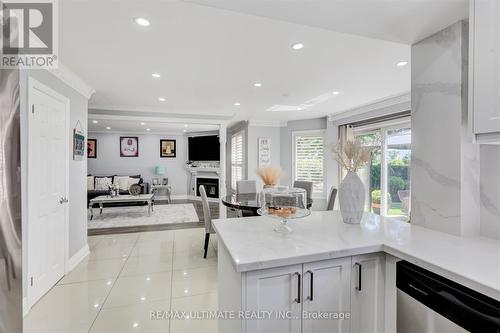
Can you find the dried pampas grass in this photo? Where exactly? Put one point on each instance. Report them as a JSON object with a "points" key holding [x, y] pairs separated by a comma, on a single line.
{"points": [[352, 156], [270, 174]]}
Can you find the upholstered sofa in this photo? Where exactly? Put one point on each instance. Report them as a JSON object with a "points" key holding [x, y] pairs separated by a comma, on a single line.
{"points": [[92, 192]]}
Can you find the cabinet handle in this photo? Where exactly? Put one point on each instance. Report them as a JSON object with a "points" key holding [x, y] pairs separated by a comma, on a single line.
{"points": [[298, 287], [311, 287], [360, 268]]}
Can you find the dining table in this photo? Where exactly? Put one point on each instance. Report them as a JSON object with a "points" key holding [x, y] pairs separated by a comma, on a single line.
{"points": [[248, 202]]}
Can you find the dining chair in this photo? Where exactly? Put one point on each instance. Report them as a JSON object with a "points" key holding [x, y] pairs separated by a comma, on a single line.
{"points": [[308, 186], [246, 186], [331, 198], [207, 216]]}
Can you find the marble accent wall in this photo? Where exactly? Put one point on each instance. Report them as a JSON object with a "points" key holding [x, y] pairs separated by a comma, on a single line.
{"points": [[445, 163], [490, 191]]}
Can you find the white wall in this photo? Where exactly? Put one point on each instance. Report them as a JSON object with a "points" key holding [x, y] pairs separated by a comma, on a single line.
{"points": [[490, 191], [254, 133], [109, 162]]}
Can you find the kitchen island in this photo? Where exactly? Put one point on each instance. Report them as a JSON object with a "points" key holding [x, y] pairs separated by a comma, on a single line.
{"points": [[327, 266]]}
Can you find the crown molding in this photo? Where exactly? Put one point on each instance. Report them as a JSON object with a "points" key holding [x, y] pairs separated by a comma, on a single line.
{"points": [[159, 118], [401, 102], [145, 111], [267, 123], [67, 76]]}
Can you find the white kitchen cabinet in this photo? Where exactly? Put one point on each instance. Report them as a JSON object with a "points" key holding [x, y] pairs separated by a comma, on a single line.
{"points": [[327, 290], [484, 45], [290, 298], [279, 291], [367, 293]]}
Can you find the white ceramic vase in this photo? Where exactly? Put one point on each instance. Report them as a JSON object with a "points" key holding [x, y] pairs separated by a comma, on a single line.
{"points": [[352, 198]]}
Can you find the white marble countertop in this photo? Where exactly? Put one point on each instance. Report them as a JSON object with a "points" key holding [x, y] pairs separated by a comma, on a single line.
{"points": [[254, 245]]}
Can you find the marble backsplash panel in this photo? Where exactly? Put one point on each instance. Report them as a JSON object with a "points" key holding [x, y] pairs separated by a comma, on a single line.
{"points": [[490, 191], [441, 176]]}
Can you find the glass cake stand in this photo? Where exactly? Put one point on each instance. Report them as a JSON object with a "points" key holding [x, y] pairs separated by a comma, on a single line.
{"points": [[284, 204]]}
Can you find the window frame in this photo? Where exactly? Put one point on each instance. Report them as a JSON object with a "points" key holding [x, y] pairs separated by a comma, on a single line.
{"points": [[243, 157], [383, 127], [311, 133]]}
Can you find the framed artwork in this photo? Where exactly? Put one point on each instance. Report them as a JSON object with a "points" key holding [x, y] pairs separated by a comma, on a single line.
{"points": [[167, 148], [264, 149], [78, 145], [129, 146], [91, 148]]}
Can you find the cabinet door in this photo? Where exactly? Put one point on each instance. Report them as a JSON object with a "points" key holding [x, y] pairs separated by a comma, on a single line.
{"points": [[326, 291], [275, 292], [368, 293], [486, 65]]}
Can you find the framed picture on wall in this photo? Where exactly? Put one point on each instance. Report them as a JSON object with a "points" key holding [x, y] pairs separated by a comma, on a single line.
{"points": [[167, 148], [129, 146], [78, 145], [264, 151], [92, 148]]}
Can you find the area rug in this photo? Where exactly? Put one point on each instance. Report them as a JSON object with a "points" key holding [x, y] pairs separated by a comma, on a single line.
{"points": [[128, 216]]}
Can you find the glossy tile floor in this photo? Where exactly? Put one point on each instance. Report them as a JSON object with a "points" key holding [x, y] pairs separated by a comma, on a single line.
{"points": [[125, 278]]}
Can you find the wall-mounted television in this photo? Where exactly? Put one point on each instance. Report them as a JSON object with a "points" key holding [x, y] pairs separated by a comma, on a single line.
{"points": [[204, 148]]}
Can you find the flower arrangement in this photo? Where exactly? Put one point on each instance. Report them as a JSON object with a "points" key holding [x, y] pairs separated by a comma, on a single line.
{"points": [[352, 156], [270, 174]]}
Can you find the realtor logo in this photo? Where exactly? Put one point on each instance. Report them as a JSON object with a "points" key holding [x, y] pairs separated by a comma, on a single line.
{"points": [[29, 34]]}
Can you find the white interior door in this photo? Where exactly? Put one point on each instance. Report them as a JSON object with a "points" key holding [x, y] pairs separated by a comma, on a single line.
{"points": [[47, 188]]}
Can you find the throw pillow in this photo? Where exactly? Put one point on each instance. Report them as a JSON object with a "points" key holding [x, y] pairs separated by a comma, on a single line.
{"points": [[121, 182], [132, 181], [102, 183], [90, 183]]}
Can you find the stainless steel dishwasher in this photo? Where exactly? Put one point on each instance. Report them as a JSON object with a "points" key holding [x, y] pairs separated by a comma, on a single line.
{"points": [[429, 303]]}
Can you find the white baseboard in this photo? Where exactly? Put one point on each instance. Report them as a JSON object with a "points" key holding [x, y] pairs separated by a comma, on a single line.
{"points": [[77, 258]]}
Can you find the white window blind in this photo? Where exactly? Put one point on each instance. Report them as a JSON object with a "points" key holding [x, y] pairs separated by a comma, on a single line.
{"points": [[308, 159], [237, 158]]}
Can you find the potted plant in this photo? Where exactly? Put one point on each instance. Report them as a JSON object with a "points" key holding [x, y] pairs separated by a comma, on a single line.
{"points": [[377, 200]]}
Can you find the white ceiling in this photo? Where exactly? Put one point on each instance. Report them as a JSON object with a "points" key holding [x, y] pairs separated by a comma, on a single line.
{"points": [[403, 21], [209, 58], [155, 127]]}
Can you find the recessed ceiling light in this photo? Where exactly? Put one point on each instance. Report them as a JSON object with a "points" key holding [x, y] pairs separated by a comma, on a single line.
{"points": [[257, 84], [402, 63], [148, 279], [336, 92], [135, 325], [237, 104], [156, 75], [96, 305], [185, 125], [142, 21], [94, 121], [297, 46], [143, 124], [108, 128], [162, 99], [148, 129], [143, 299], [184, 131]]}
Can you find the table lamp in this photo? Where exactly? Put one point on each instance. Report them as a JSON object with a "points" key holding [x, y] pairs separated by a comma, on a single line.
{"points": [[160, 170]]}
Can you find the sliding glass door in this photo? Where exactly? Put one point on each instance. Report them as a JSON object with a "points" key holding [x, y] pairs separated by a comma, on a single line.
{"points": [[387, 176]]}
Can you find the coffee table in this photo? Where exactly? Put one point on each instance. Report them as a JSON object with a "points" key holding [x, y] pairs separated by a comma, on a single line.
{"points": [[102, 199]]}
